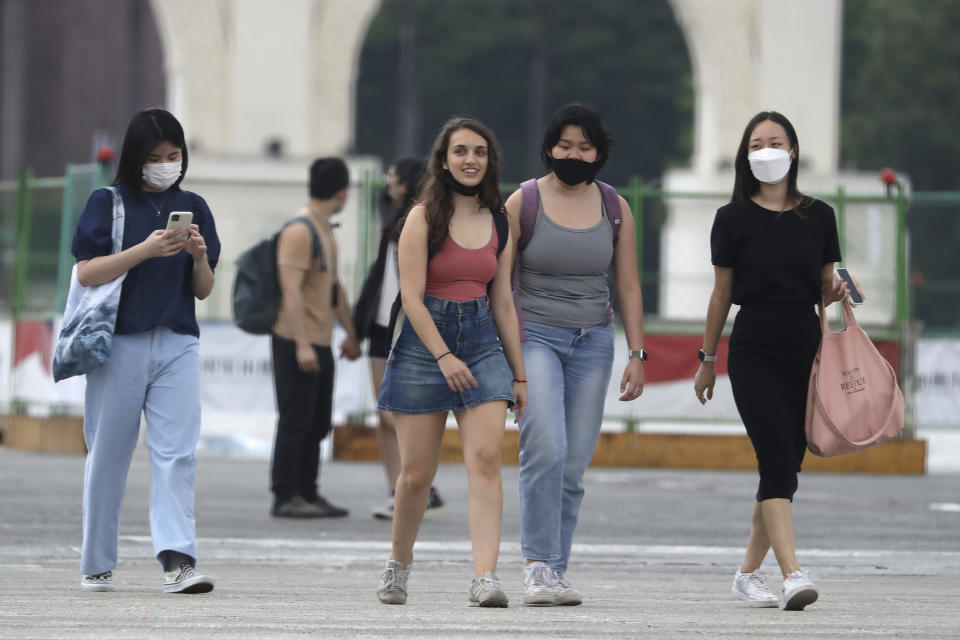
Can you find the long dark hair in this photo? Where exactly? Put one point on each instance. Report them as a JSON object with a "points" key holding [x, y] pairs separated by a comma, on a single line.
{"points": [[146, 130], [437, 197], [745, 185], [410, 172]]}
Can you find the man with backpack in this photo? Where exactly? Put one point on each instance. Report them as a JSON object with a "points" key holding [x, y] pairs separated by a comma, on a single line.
{"points": [[311, 301]]}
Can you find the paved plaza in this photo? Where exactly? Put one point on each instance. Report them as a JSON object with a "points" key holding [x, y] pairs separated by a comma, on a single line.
{"points": [[656, 551]]}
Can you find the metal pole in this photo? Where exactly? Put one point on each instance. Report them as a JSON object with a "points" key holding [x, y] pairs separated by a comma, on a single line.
{"points": [[903, 311], [635, 198], [22, 251]]}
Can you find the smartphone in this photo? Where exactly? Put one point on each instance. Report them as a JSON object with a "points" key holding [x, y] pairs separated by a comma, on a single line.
{"points": [[855, 296], [180, 220]]}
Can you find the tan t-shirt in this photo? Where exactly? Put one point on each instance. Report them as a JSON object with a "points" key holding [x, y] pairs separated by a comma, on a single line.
{"points": [[295, 249]]}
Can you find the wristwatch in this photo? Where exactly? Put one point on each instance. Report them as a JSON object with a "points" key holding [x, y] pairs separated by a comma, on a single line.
{"points": [[706, 357], [639, 353]]}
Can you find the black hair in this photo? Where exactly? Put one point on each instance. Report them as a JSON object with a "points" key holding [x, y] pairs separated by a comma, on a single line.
{"points": [[146, 130], [745, 184], [588, 119], [410, 173], [327, 177]]}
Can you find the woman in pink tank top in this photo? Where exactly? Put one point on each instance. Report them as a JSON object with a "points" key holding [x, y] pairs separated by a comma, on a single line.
{"points": [[457, 349]]}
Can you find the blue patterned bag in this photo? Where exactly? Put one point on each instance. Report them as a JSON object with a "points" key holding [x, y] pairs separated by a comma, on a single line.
{"points": [[90, 315]]}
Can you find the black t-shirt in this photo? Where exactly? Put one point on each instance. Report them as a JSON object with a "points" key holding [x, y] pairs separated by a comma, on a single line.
{"points": [[775, 256]]}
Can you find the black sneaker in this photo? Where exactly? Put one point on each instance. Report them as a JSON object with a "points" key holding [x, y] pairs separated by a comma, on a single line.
{"points": [[434, 503], [186, 580], [297, 507], [328, 510]]}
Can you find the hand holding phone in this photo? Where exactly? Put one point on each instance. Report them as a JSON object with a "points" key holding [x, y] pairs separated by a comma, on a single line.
{"points": [[856, 297], [180, 220]]}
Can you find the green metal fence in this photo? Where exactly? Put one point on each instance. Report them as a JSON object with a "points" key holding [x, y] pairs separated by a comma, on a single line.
{"points": [[38, 217]]}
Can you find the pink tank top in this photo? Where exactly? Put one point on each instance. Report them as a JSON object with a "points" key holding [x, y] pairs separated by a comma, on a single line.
{"points": [[459, 274]]}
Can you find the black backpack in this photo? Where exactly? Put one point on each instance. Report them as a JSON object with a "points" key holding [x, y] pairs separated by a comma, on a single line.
{"points": [[256, 289]]}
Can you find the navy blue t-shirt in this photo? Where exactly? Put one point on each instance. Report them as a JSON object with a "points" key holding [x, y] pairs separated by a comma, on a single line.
{"points": [[158, 291]]}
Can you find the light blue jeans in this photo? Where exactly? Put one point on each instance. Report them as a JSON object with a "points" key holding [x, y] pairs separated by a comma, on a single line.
{"points": [[568, 371], [156, 372]]}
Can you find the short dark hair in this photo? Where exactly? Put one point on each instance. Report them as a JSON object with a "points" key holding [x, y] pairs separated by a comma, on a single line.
{"points": [[327, 177], [588, 119], [146, 130]]}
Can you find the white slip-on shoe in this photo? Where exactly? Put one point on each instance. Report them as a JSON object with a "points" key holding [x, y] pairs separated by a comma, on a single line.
{"points": [[798, 591], [752, 589]]}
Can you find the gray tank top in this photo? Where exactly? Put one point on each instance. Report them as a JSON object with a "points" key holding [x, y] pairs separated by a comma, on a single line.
{"points": [[563, 272]]}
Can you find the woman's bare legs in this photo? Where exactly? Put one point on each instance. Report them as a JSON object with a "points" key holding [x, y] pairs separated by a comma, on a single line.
{"points": [[419, 438], [386, 430], [772, 526], [481, 430]]}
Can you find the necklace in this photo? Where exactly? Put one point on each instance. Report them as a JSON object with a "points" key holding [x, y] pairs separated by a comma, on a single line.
{"points": [[158, 206]]}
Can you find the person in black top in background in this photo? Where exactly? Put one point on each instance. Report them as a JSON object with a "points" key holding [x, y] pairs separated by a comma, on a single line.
{"points": [[773, 250], [371, 315]]}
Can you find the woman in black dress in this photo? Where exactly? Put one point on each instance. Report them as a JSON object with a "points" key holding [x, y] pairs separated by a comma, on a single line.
{"points": [[773, 251]]}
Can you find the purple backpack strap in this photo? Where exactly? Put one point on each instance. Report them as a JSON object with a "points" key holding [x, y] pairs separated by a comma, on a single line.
{"points": [[528, 217], [614, 216]]}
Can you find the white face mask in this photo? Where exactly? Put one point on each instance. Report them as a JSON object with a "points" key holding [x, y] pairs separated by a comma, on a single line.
{"points": [[770, 165], [161, 175]]}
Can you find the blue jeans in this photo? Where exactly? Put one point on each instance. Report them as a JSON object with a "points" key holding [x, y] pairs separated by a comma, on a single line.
{"points": [[568, 371], [156, 372]]}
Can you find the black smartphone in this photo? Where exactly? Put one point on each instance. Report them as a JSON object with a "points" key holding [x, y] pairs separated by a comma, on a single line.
{"points": [[855, 296]]}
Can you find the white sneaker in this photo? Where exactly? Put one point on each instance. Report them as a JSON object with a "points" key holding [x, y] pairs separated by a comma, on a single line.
{"points": [[185, 579], [539, 585], [384, 511], [393, 583], [798, 591], [567, 595], [100, 582], [752, 589], [486, 592]]}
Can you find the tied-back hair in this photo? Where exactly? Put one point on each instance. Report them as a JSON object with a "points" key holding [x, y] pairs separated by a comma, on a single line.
{"points": [[146, 130], [745, 184], [437, 197], [410, 173]]}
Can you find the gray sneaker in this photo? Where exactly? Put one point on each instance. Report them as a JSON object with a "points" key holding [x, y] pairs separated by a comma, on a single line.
{"points": [[539, 588], [186, 580], [567, 595], [99, 582], [752, 589], [393, 583], [486, 592]]}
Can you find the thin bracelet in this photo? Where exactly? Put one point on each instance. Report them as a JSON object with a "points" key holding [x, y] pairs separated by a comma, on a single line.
{"points": [[443, 354], [519, 380]]}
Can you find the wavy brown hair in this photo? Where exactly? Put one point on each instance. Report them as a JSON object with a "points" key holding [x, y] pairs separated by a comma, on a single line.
{"points": [[437, 197]]}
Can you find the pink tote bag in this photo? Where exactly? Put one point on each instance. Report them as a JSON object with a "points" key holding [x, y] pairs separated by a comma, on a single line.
{"points": [[853, 401]]}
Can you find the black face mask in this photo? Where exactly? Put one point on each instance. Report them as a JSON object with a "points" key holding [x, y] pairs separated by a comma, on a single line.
{"points": [[460, 188], [572, 171]]}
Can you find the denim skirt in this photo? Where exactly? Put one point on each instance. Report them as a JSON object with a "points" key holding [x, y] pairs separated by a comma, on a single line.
{"points": [[413, 383]]}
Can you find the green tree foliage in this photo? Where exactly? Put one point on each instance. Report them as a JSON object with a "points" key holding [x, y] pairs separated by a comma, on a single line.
{"points": [[901, 89], [628, 59]]}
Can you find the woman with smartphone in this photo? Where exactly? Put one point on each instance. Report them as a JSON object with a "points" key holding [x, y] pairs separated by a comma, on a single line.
{"points": [[773, 250], [457, 350], [154, 362]]}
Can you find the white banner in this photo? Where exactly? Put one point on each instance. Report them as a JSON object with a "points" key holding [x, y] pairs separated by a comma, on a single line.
{"points": [[6, 361], [938, 382]]}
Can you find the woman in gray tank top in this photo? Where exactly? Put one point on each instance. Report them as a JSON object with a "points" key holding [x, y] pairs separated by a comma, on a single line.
{"points": [[582, 230]]}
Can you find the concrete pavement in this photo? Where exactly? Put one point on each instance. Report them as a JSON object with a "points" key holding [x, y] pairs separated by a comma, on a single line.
{"points": [[656, 551]]}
